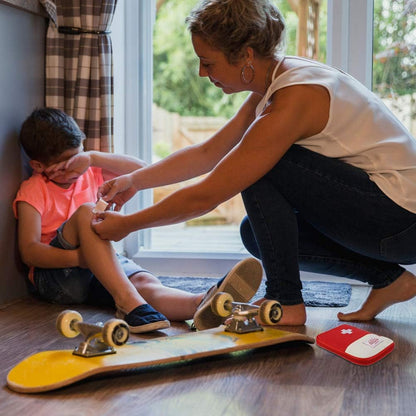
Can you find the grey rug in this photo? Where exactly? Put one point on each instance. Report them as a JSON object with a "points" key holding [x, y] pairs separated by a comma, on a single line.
{"points": [[315, 293]]}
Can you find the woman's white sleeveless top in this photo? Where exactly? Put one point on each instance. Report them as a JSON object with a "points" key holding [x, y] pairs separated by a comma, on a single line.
{"points": [[361, 130]]}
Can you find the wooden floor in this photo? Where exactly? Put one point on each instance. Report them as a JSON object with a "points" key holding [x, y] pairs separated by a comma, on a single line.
{"points": [[287, 380]]}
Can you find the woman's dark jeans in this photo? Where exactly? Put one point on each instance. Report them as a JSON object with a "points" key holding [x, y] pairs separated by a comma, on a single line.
{"points": [[319, 214]]}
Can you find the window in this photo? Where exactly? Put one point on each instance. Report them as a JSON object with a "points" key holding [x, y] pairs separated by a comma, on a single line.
{"points": [[188, 109], [345, 40], [394, 58]]}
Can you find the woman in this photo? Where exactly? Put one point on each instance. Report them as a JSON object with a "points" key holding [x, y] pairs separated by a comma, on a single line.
{"points": [[327, 173]]}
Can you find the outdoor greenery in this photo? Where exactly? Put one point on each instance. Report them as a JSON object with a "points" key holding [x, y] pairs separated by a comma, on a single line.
{"points": [[177, 85], [178, 88], [394, 67]]}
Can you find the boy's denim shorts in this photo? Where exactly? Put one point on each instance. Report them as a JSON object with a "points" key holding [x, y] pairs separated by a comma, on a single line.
{"points": [[75, 285]]}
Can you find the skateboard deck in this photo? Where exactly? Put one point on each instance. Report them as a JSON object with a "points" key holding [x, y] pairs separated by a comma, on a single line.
{"points": [[50, 370]]}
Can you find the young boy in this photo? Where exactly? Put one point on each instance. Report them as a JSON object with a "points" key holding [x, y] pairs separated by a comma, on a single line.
{"points": [[68, 263]]}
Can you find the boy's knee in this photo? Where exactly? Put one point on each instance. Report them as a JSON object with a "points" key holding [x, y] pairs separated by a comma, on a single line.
{"points": [[85, 210], [88, 206], [82, 216]]}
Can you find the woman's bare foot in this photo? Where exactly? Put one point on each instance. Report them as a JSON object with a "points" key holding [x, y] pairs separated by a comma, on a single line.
{"points": [[292, 314], [402, 289]]}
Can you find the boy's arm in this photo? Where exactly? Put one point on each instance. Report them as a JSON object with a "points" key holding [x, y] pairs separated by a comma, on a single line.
{"points": [[112, 164], [32, 251]]}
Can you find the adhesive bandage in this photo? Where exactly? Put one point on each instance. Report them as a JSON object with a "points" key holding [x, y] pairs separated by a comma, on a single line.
{"points": [[101, 205]]}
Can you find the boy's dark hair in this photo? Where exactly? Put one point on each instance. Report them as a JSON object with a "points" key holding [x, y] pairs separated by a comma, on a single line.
{"points": [[48, 132]]}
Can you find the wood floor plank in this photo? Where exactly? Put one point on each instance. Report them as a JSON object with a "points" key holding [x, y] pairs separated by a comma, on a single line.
{"points": [[294, 379]]}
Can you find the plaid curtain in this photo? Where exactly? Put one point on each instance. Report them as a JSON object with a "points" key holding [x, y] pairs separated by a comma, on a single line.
{"points": [[79, 66]]}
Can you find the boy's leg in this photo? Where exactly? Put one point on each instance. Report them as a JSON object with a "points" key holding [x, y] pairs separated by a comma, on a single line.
{"points": [[175, 304], [98, 255], [241, 282], [100, 258]]}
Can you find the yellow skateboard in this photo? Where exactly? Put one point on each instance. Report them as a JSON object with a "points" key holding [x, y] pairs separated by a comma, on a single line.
{"points": [[105, 349]]}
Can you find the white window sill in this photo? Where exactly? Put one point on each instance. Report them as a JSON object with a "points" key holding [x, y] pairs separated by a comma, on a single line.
{"points": [[177, 263]]}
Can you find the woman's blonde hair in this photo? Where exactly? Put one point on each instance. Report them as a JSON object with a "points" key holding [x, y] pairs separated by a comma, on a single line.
{"points": [[233, 25]]}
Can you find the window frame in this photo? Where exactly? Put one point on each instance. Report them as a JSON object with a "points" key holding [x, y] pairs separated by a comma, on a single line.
{"points": [[350, 38], [349, 47]]}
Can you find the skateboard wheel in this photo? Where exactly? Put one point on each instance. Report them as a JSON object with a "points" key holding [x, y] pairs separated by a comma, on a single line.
{"points": [[115, 332], [65, 323], [222, 304], [270, 312]]}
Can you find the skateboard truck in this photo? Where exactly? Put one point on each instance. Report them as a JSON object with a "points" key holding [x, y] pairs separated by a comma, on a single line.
{"points": [[241, 316], [99, 338]]}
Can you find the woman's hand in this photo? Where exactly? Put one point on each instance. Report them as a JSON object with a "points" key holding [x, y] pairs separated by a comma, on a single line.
{"points": [[110, 225], [117, 191]]}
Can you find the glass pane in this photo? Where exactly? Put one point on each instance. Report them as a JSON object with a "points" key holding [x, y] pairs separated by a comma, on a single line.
{"points": [[188, 109], [394, 57]]}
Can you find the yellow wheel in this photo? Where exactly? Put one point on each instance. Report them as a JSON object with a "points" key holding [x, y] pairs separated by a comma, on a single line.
{"points": [[115, 332], [65, 323], [222, 304], [270, 312]]}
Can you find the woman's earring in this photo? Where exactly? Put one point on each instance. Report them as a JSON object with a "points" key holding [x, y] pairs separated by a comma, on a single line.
{"points": [[247, 73]]}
